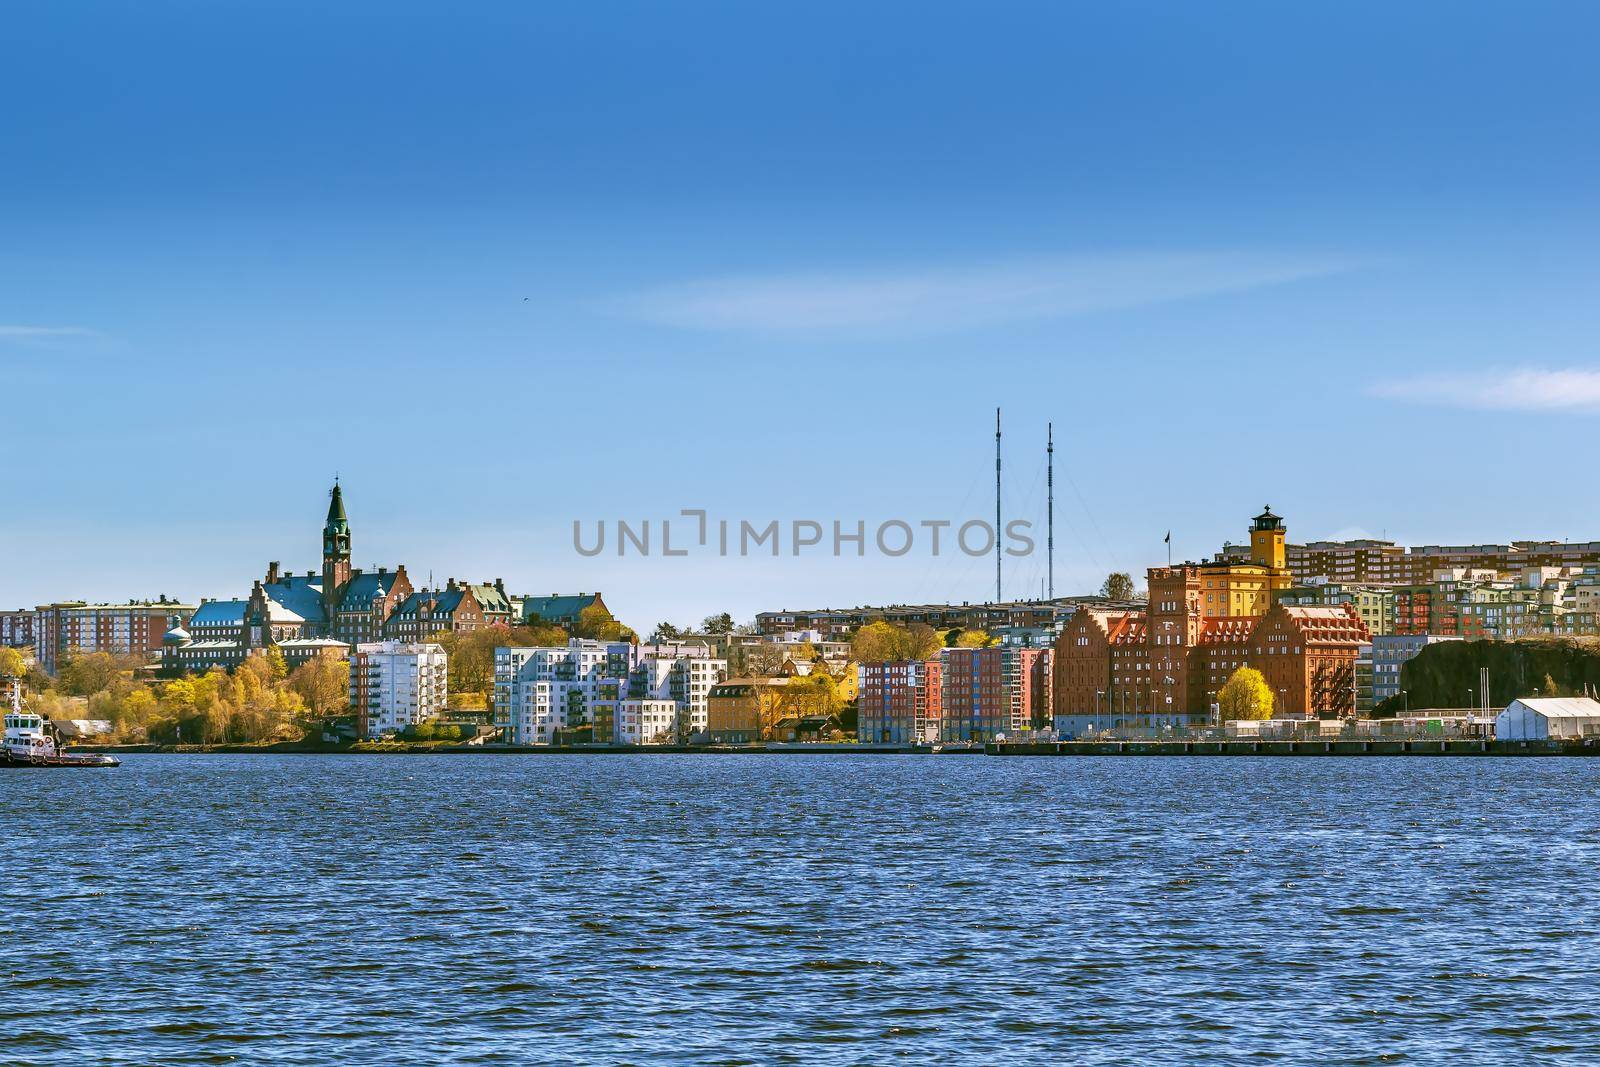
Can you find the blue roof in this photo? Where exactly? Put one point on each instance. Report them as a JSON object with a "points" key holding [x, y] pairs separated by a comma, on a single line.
{"points": [[556, 607], [301, 594], [361, 588], [219, 613]]}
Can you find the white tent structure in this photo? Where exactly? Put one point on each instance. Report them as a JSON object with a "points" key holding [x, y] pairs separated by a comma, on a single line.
{"points": [[1548, 719]]}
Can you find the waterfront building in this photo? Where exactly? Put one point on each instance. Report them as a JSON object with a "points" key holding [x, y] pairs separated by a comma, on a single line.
{"points": [[986, 692], [1391, 652], [647, 722], [1165, 666], [396, 684], [560, 695], [743, 710], [682, 672], [16, 628], [132, 629], [899, 703]]}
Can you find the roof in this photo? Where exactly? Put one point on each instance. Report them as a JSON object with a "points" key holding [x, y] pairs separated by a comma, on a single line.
{"points": [[360, 590], [557, 606], [490, 598], [299, 594], [444, 601], [1561, 707], [336, 506], [219, 613]]}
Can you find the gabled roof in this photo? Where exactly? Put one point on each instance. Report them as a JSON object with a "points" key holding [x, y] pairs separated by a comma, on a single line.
{"points": [[1562, 707], [359, 591], [442, 601], [490, 598], [300, 594]]}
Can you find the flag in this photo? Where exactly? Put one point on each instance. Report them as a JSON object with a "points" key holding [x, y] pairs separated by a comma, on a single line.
{"points": [[1168, 538]]}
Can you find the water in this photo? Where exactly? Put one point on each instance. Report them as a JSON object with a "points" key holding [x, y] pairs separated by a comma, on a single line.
{"points": [[689, 909]]}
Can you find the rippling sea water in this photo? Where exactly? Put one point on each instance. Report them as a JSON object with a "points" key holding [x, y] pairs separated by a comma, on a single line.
{"points": [[836, 909]]}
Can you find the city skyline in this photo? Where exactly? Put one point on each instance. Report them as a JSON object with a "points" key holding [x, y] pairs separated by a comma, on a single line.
{"points": [[1320, 261]]}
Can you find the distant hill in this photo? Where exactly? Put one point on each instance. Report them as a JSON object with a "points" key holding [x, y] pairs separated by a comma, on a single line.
{"points": [[1443, 675]]}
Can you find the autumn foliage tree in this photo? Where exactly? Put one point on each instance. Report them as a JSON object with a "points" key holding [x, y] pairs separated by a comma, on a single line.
{"points": [[886, 642], [1246, 695]]}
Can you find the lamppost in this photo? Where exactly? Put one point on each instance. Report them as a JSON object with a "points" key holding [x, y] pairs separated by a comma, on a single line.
{"points": [[1098, 693]]}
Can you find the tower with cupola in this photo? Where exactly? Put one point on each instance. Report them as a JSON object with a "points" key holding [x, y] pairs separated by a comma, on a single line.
{"points": [[335, 552]]}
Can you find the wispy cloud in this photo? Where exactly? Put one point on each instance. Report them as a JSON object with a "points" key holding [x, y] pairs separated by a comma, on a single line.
{"points": [[936, 299], [1515, 389], [30, 332]]}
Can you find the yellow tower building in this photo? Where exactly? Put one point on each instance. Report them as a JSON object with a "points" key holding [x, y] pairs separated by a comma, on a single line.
{"points": [[1236, 587]]}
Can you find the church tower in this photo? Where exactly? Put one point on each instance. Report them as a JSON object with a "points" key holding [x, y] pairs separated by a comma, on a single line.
{"points": [[335, 553]]}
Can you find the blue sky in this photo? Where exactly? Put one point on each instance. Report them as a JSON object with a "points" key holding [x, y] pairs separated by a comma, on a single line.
{"points": [[505, 266]]}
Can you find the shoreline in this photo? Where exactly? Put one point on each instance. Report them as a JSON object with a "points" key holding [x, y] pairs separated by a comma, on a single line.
{"points": [[1463, 747]]}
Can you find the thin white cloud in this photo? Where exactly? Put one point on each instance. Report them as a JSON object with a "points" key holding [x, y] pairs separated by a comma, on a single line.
{"points": [[1574, 389], [936, 299], [28, 332]]}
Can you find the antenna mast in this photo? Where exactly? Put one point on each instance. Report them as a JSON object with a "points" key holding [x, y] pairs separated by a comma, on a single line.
{"points": [[997, 597], [1050, 505]]}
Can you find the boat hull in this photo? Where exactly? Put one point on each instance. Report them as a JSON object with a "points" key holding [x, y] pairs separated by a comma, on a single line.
{"points": [[7, 760]]}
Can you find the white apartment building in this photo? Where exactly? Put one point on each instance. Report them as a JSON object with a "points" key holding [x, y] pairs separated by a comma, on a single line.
{"points": [[682, 672], [394, 685], [647, 722], [542, 696]]}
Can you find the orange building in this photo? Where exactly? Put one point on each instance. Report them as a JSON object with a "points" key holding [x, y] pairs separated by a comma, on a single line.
{"points": [[1164, 665]]}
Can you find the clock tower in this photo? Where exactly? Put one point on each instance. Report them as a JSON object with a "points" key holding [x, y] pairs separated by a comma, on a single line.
{"points": [[335, 552]]}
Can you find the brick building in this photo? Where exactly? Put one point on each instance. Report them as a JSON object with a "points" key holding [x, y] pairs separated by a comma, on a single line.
{"points": [[1165, 667], [131, 629], [900, 703], [989, 691], [16, 628]]}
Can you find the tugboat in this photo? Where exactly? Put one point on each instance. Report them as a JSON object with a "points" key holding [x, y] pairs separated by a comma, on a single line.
{"points": [[33, 741]]}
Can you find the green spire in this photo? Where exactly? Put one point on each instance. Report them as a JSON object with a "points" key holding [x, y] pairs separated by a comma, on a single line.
{"points": [[336, 513]]}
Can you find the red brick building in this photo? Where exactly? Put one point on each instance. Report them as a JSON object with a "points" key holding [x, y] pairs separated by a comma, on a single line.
{"points": [[1166, 666], [989, 691], [900, 703]]}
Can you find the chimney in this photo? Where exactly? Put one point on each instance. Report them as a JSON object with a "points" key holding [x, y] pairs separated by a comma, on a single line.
{"points": [[272, 573], [500, 586]]}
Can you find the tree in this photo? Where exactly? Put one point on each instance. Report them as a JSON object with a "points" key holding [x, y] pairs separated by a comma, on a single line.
{"points": [[885, 642], [665, 631], [972, 639], [598, 624], [12, 665], [323, 682], [1117, 586], [90, 672], [1245, 696], [1550, 688], [718, 624], [814, 695], [763, 659]]}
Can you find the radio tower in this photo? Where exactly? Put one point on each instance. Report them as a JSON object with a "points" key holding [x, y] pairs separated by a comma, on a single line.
{"points": [[997, 597], [1050, 506]]}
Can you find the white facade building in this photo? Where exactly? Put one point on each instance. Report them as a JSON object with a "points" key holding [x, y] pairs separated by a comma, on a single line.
{"points": [[647, 722], [542, 695], [682, 672], [394, 685]]}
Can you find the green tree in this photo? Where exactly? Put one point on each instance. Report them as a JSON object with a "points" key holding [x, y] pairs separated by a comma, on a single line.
{"points": [[717, 624], [1117, 586], [1245, 696], [665, 631]]}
